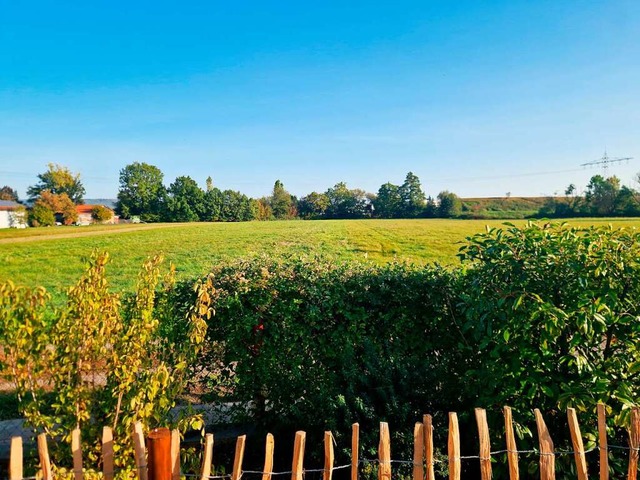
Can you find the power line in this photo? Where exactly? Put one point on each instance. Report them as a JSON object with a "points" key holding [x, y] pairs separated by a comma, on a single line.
{"points": [[605, 161]]}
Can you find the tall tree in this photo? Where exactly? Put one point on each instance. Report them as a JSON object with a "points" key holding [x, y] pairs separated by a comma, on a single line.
{"points": [[601, 194], [412, 196], [8, 193], [449, 204], [186, 201], [347, 203], [313, 206], [388, 202], [141, 192], [281, 202], [58, 180]]}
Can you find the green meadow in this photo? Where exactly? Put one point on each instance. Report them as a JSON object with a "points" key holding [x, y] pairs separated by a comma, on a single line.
{"points": [[54, 257]]}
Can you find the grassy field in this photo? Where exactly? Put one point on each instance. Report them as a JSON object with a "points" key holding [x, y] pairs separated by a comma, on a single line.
{"points": [[54, 257]]}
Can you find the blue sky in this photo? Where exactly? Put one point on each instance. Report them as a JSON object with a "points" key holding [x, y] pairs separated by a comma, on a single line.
{"points": [[479, 98]]}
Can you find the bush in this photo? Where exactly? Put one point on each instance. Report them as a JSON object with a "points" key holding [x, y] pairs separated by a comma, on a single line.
{"points": [[553, 312], [101, 214], [317, 345], [41, 216]]}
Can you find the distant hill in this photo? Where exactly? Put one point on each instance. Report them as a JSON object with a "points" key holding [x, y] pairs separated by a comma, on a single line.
{"points": [[501, 207], [107, 202]]}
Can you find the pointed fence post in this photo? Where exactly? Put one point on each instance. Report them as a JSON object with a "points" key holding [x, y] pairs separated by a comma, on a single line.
{"points": [[634, 443], [547, 457], [297, 466], [175, 455], [16, 471], [138, 445], [355, 447], [427, 422], [76, 450], [384, 453], [418, 451], [485, 444], [512, 449], [207, 457], [107, 453], [268, 458], [578, 446], [327, 474], [43, 453], [454, 447], [602, 442], [239, 457]]}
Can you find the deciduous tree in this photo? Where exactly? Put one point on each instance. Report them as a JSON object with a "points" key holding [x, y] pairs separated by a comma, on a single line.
{"points": [[58, 180], [8, 193], [141, 192], [412, 197]]}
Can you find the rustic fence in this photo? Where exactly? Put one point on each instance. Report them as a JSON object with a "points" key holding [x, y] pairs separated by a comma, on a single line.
{"points": [[158, 458]]}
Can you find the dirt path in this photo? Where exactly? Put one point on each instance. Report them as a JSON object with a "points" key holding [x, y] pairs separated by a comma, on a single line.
{"points": [[78, 234]]}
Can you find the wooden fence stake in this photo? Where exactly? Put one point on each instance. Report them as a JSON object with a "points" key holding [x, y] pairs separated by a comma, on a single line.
{"points": [[16, 471], [547, 457], [454, 447], [175, 454], [427, 422], [602, 442], [43, 453], [634, 443], [207, 456], [384, 453], [355, 447], [485, 444], [578, 446], [298, 456], [107, 453], [512, 449], [76, 450], [237, 461], [138, 445], [328, 456], [268, 458], [418, 451]]}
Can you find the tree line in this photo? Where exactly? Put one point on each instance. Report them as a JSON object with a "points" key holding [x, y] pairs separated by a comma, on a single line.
{"points": [[143, 195], [604, 197]]}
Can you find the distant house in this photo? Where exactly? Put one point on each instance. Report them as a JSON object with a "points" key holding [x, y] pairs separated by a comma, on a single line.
{"points": [[85, 215], [12, 214]]}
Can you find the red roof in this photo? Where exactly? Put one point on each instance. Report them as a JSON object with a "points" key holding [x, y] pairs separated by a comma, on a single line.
{"points": [[87, 208]]}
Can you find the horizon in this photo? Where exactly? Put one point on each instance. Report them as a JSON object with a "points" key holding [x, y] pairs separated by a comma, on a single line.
{"points": [[479, 100]]}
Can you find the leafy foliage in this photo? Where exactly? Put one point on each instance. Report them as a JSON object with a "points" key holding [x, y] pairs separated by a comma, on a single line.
{"points": [[50, 208], [100, 214], [106, 360], [553, 314], [8, 193], [58, 180], [141, 192], [317, 345]]}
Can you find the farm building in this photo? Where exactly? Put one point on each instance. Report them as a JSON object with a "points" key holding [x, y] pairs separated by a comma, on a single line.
{"points": [[12, 214], [86, 215]]}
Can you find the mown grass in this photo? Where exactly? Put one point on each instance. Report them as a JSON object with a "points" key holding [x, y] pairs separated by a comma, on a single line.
{"points": [[55, 257]]}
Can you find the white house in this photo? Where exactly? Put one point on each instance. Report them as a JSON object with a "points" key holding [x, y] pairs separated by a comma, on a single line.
{"points": [[12, 215]]}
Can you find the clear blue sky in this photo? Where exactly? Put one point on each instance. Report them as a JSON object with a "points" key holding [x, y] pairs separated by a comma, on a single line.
{"points": [[480, 98]]}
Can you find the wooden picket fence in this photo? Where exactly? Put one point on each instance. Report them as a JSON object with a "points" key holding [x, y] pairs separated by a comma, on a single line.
{"points": [[154, 465]]}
